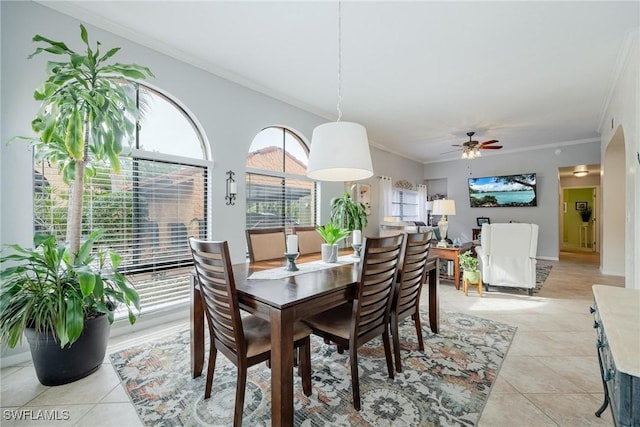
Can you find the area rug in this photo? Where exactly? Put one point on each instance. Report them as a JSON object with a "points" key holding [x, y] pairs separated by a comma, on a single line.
{"points": [[448, 384], [542, 272]]}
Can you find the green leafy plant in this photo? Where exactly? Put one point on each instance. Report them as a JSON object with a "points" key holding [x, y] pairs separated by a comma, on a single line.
{"points": [[332, 233], [88, 111], [468, 262], [348, 213], [47, 290], [585, 214]]}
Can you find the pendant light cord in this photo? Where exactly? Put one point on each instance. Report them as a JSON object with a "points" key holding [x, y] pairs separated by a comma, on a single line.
{"points": [[339, 60]]}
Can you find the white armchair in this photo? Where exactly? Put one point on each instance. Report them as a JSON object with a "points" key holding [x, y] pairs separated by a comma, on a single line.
{"points": [[507, 255]]}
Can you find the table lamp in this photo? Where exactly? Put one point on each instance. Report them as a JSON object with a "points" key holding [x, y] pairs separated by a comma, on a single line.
{"points": [[443, 207]]}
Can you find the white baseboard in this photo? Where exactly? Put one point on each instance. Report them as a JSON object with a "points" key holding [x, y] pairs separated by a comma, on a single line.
{"points": [[549, 258]]}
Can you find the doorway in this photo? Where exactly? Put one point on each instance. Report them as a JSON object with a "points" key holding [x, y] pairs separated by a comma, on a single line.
{"points": [[579, 209]]}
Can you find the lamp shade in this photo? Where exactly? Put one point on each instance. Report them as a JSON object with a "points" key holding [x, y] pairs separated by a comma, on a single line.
{"points": [[444, 207], [429, 205], [339, 152]]}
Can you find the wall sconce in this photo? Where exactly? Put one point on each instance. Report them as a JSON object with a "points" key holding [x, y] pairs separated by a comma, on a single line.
{"points": [[232, 189]]}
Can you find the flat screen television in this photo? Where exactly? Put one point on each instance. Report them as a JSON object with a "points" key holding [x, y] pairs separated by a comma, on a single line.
{"points": [[503, 191]]}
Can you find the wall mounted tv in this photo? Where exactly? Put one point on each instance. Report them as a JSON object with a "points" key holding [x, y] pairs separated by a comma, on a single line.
{"points": [[503, 191]]}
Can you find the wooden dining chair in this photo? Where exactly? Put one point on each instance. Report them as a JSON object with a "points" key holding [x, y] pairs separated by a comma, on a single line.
{"points": [[266, 243], [406, 298], [244, 340], [355, 323], [309, 240]]}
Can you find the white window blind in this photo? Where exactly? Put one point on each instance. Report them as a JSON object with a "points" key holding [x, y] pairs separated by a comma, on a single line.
{"points": [[404, 205], [147, 211]]}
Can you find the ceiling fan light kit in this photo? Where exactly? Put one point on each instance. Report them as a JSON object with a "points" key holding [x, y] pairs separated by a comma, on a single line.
{"points": [[473, 149]]}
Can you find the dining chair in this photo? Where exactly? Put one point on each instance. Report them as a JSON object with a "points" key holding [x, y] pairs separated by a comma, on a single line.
{"points": [[266, 243], [309, 240], [406, 299], [355, 323], [244, 340]]}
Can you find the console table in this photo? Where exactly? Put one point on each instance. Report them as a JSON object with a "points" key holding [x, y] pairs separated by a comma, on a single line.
{"points": [[451, 253], [616, 313]]}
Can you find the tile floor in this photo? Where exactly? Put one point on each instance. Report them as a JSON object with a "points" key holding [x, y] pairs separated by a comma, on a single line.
{"points": [[550, 376]]}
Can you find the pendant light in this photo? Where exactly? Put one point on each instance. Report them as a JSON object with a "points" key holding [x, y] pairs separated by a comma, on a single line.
{"points": [[339, 150]]}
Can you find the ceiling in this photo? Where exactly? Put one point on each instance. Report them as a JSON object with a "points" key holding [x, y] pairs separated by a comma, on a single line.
{"points": [[418, 75]]}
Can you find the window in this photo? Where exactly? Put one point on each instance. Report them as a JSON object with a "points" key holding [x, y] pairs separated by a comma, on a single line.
{"points": [[278, 192], [404, 205], [147, 210]]}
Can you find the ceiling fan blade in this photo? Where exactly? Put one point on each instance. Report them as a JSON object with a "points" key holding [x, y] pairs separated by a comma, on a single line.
{"points": [[492, 147], [457, 145], [452, 151], [491, 141]]}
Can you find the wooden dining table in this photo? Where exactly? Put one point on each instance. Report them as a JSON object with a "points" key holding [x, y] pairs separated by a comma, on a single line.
{"points": [[281, 302]]}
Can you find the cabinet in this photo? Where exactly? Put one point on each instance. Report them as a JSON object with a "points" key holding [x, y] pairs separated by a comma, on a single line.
{"points": [[616, 314]]}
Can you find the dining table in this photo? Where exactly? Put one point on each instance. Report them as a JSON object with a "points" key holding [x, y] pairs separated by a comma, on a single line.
{"points": [[282, 301]]}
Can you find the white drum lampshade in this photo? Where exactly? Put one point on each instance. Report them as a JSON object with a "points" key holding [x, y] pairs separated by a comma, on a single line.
{"points": [[339, 152]]}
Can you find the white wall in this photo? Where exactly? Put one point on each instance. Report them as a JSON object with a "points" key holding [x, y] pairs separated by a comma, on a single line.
{"points": [[624, 110], [543, 162]]}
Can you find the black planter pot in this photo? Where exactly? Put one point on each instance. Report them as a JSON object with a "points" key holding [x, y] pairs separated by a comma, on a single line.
{"points": [[57, 366]]}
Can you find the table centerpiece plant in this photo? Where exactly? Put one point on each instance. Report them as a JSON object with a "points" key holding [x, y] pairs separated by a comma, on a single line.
{"points": [[63, 295], [332, 234], [348, 213]]}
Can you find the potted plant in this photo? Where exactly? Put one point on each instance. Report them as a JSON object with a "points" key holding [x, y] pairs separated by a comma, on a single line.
{"points": [[585, 214], [469, 265], [53, 292], [332, 234], [348, 213]]}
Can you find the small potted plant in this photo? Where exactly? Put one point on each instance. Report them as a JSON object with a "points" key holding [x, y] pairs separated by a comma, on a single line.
{"points": [[585, 214], [332, 234], [469, 266]]}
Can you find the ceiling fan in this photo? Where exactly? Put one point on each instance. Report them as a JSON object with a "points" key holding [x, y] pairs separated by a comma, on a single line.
{"points": [[471, 149]]}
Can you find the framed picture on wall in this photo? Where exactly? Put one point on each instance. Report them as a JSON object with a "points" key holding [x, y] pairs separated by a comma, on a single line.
{"points": [[482, 220], [580, 206]]}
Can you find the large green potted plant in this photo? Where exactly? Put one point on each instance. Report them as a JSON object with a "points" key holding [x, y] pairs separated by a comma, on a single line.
{"points": [[332, 234], [54, 292], [348, 213]]}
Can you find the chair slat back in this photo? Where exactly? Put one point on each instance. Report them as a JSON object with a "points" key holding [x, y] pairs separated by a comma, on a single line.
{"points": [[378, 268], [412, 271], [266, 243], [218, 291]]}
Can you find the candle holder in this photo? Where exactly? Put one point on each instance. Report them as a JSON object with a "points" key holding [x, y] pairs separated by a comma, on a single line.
{"points": [[291, 266], [356, 249]]}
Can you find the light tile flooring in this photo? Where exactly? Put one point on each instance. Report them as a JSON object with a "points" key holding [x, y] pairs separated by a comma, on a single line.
{"points": [[550, 376]]}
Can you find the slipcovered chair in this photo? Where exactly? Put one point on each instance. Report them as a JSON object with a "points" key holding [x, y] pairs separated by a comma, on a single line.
{"points": [[507, 255], [309, 240], [266, 243]]}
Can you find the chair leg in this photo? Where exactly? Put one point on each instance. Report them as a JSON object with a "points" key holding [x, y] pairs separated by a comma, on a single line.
{"points": [[396, 340], [240, 389], [304, 365], [355, 380], [210, 370], [387, 352], [418, 323]]}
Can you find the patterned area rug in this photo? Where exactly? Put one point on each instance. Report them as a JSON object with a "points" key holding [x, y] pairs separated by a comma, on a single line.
{"points": [[542, 272], [448, 384]]}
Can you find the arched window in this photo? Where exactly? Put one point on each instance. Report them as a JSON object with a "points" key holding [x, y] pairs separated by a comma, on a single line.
{"points": [[148, 210], [278, 192]]}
